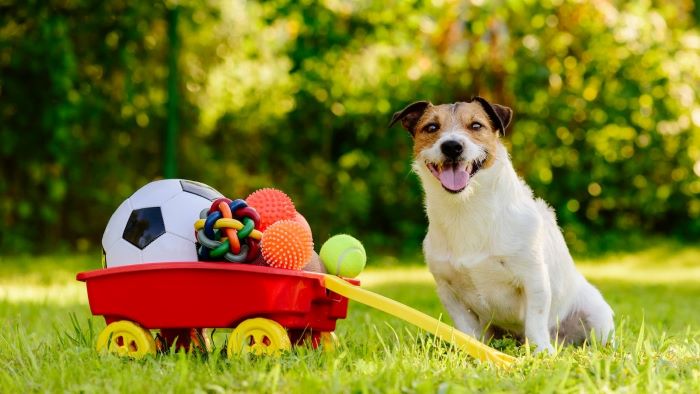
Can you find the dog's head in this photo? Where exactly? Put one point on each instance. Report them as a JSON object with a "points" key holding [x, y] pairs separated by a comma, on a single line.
{"points": [[454, 141]]}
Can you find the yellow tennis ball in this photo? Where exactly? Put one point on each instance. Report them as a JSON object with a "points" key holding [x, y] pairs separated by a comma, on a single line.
{"points": [[343, 255]]}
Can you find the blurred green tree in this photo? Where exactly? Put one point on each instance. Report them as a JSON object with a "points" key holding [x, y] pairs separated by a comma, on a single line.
{"points": [[297, 95]]}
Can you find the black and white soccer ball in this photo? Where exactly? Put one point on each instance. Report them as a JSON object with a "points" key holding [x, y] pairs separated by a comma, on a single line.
{"points": [[156, 224]]}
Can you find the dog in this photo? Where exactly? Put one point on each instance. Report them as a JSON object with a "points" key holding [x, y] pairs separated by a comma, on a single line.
{"points": [[496, 253]]}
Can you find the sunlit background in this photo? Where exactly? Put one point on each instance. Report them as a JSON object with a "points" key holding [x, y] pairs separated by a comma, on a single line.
{"points": [[98, 98]]}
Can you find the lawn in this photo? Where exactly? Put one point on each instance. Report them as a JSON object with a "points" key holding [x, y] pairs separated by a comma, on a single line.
{"points": [[46, 341]]}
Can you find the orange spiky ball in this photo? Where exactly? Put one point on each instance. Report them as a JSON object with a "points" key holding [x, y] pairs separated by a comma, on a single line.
{"points": [[272, 205], [287, 244]]}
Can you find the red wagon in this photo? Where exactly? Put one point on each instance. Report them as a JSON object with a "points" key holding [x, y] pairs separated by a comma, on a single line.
{"points": [[269, 309]]}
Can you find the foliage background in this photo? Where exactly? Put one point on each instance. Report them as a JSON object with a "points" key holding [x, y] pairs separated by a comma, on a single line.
{"points": [[298, 94]]}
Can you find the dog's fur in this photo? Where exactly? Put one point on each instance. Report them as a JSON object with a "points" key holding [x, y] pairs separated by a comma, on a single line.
{"points": [[497, 255]]}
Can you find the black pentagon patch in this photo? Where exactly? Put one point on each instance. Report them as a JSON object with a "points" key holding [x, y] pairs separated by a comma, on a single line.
{"points": [[144, 226], [200, 189]]}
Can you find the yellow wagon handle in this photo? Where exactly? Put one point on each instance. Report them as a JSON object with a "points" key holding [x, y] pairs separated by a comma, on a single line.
{"points": [[441, 330]]}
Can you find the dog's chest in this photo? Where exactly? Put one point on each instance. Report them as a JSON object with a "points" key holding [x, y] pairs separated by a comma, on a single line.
{"points": [[477, 276], [486, 288]]}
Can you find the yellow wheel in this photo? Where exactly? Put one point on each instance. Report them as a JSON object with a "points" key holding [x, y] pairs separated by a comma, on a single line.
{"points": [[258, 336], [328, 341], [126, 339]]}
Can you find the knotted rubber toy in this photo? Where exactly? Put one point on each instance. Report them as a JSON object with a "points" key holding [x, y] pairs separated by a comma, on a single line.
{"points": [[228, 229]]}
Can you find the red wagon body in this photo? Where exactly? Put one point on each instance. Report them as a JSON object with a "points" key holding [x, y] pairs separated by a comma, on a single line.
{"points": [[200, 295]]}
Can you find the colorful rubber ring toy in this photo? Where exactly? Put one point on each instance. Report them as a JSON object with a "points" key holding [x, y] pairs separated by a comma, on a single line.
{"points": [[228, 230]]}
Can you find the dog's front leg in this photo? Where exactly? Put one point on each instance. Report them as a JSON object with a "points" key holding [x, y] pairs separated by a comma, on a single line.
{"points": [[538, 300], [465, 320]]}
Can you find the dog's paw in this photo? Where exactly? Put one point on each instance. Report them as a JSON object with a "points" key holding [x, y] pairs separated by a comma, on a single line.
{"points": [[545, 348]]}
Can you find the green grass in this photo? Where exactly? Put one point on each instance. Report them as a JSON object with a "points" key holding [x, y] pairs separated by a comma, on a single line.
{"points": [[655, 293]]}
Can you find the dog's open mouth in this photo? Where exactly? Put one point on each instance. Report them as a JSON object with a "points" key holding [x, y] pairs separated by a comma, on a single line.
{"points": [[454, 175]]}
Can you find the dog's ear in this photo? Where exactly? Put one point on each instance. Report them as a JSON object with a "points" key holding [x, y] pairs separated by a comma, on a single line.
{"points": [[409, 116], [505, 114], [500, 115]]}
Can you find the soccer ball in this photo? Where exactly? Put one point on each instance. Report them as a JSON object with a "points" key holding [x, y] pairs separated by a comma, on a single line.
{"points": [[156, 224]]}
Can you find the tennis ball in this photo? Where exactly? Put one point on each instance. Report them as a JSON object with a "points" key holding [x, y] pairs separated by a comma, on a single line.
{"points": [[343, 255]]}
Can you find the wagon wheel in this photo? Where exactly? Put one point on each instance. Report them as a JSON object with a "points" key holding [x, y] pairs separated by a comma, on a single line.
{"points": [[126, 339], [258, 336]]}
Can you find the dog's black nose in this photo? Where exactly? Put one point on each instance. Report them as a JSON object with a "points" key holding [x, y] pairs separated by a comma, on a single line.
{"points": [[452, 149]]}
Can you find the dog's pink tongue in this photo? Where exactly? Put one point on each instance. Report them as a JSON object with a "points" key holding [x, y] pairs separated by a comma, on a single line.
{"points": [[454, 177]]}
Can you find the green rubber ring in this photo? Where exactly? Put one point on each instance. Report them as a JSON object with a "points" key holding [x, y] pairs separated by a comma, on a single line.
{"points": [[220, 250], [248, 227]]}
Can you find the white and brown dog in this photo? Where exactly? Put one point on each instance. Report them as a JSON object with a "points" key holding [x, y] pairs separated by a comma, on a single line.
{"points": [[497, 255]]}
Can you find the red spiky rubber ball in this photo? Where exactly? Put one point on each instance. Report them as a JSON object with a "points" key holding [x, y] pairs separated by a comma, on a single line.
{"points": [[272, 205], [287, 244]]}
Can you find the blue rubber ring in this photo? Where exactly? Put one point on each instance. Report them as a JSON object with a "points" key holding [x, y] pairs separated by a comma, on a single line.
{"points": [[237, 204], [209, 224]]}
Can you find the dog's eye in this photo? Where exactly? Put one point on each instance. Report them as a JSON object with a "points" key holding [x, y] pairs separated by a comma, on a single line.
{"points": [[431, 128], [476, 126]]}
